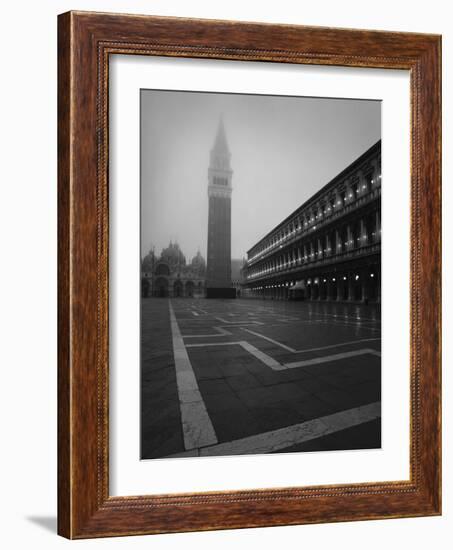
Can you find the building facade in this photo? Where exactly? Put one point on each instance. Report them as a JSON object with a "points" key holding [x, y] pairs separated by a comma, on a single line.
{"points": [[218, 275], [169, 275], [237, 275], [330, 247]]}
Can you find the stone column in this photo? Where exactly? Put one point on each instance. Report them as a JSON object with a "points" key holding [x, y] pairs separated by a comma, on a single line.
{"points": [[364, 285], [376, 174], [338, 201], [349, 194], [328, 289], [340, 283], [320, 251], [363, 233], [338, 249], [349, 238], [350, 287]]}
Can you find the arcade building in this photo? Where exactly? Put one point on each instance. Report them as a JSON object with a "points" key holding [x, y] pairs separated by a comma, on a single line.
{"points": [[329, 248]]}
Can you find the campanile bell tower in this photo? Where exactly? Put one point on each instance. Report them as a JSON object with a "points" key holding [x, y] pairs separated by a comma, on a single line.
{"points": [[218, 276]]}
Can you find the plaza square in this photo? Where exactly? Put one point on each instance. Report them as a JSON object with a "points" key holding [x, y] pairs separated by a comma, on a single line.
{"points": [[248, 376]]}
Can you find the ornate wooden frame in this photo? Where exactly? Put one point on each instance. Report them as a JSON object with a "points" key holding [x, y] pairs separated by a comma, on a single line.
{"points": [[85, 41]]}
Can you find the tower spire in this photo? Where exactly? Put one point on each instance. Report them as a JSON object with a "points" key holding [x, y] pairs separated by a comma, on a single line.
{"points": [[221, 143]]}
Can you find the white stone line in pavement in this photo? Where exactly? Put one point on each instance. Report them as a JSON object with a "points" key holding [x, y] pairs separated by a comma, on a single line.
{"points": [[283, 438], [329, 358], [222, 320], [338, 345], [220, 332], [210, 344], [197, 427], [292, 350], [263, 357], [195, 313], [284, 346], [266, 359], [275, 365]]}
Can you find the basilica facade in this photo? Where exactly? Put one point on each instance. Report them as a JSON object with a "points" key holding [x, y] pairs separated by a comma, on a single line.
{"points": [[330, 247], [169, 275]]}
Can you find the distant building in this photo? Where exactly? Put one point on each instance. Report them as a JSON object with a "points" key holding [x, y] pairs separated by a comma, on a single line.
{"points": [[237, 275], [170, 276], [330, 247], [218, 276]]}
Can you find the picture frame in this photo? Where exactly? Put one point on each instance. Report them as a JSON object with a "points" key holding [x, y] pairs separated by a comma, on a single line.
{"points": [[86, 41]]}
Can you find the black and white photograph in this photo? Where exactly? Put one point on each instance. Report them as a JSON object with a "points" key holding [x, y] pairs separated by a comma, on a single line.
{"points": [[260, 274]]}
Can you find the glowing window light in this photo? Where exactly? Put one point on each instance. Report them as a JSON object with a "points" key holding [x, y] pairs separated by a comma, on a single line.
{"points": [[356, 277], [344, 278]]}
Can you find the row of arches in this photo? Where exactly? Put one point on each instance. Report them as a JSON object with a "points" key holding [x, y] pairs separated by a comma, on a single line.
{"points": [[335, 242], [164, 288], [354, 285], [363, 185]]}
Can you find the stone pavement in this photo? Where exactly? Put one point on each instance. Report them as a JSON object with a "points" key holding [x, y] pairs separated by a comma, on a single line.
{"points": [[223, 377]]}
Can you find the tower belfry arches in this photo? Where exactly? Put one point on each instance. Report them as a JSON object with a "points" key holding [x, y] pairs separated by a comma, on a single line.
{"points": [[218, 273]]}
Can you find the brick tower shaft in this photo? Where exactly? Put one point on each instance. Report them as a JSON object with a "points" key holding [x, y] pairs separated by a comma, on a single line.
{"points": [[218, 275]]}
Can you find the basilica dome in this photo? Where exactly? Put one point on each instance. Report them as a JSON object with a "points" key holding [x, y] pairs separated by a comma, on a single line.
{"points": [[198, 263], [173, 256], [148, 261]]}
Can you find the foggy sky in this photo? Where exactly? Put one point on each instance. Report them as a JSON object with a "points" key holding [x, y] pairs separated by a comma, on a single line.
{"points": [[283, 150]]}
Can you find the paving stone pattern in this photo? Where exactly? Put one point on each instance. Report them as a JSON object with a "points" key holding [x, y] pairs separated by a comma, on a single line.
{"points": [[260, 366]]}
